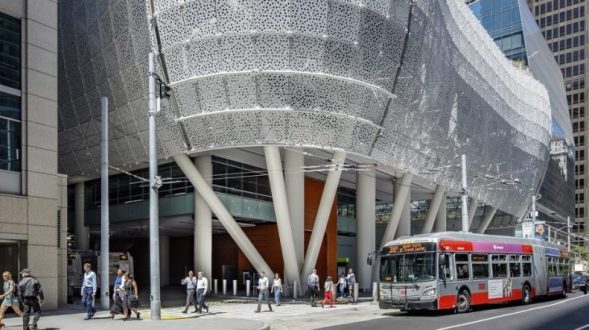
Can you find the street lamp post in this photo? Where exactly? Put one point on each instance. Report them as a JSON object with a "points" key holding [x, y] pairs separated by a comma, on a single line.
{"points": [[154, 183], [569, 234], [465, 223]]}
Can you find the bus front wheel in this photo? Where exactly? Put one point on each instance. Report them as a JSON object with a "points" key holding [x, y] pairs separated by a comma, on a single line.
{"points": [[526, 295], [463, 302]]}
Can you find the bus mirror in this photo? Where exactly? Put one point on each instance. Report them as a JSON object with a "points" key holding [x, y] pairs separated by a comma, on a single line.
{"points": [[369, 261], [444, 261]]}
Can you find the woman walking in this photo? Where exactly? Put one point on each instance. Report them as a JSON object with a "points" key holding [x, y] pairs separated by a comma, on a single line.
{"points": [[10, 299], [134, 297], [342, 285], [328, 295], [125, 291], [277, 288]]}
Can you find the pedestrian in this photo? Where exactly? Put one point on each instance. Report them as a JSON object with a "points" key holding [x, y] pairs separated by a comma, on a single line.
{"points": [[190, 282], [277, 288], [328, 292], [342, 284], [202, 286], [9, 297], [263, 292], [125, 291], [88, 291], [313, 287], [351, 279], [31, 295], [134, 296], [117, 306]]}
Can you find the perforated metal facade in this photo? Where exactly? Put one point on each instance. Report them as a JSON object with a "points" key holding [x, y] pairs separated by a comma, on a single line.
{"points": [[409, 84]]}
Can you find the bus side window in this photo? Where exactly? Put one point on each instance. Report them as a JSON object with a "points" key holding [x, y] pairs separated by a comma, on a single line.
{"points": [[480, 266], [514, 266], [499, 265], [447, 269], [462, 271], [527, 265]]}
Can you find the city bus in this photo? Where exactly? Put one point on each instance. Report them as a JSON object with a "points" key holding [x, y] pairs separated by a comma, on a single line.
{"points": [[456, 270]]}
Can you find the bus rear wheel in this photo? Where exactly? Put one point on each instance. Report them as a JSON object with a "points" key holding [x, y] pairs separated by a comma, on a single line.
{"points": [[463, 302], [564, 290], [526, 295]]}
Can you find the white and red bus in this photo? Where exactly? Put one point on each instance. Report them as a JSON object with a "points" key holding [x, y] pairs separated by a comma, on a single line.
{"points": [[455, 270]]}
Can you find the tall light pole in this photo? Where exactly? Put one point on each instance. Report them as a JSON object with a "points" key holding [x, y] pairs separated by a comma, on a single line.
{"points": [[465, 223], [104, 230], [569, 234], [154, 184]]}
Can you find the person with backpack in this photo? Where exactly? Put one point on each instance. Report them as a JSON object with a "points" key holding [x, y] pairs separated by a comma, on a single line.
{"points": [[9, 297], [89, 291], [31, 295]]}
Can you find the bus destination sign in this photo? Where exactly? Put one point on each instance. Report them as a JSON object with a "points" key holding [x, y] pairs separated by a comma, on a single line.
{"points": [[411, 247]]}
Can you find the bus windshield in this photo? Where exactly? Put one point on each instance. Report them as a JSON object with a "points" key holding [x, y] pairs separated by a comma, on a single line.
{"points": [[408, 268]]}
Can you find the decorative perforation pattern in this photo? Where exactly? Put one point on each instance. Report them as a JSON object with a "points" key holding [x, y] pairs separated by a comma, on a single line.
{"points": [[316, 73]]}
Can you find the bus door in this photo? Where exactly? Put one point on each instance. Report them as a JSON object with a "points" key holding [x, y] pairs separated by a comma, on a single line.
{"points": [[540, 276], [446, 282]]}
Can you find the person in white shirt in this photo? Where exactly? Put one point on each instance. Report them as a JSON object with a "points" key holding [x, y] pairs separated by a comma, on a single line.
{"points": [[202, 286], [89, 291], [328, 289], [263, 289], [277, 288], [313, 287], [342, 284], [351, 279], [190, 282]]}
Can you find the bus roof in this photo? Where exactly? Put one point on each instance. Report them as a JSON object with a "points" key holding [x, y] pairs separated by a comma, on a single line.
{"points": [[462, 236]]}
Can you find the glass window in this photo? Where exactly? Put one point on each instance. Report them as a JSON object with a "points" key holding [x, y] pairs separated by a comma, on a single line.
{"points": [[10, 51], [514, 266], [462, 270], [527, 265], [10, 145], [408, 268], [480, 266]]}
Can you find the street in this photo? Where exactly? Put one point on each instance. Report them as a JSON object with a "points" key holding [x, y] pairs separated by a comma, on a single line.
{"points": [[562, 314]]}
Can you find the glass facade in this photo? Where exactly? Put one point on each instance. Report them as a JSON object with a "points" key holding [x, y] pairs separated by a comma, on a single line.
{"points": [[229, 177], [501, 18], [10, 94]]}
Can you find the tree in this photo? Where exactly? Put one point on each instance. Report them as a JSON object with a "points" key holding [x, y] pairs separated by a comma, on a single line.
{"points": [[581, 253]]}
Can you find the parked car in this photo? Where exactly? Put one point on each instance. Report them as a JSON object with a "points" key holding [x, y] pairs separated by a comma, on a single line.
{"points": [[580, 282]]}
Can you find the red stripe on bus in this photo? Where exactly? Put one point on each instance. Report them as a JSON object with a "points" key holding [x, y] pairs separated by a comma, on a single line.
{"points": [[456, 246], [479, 298], [526, 248]]}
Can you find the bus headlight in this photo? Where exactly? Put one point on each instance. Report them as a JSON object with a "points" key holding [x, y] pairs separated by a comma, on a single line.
{"points": [[429, 292]]}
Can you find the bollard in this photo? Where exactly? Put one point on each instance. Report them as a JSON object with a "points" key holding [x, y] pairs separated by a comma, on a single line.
{"points": [[356, 287], [295, 289], [224, 287], [235, 287], [248, 285], [215, 286], [374, 291]]}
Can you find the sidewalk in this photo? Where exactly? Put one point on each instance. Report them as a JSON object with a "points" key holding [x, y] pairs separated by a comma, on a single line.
{"points": [[221, 316]]}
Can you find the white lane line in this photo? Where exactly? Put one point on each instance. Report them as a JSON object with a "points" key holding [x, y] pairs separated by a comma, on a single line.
{"points": [[583, 327], [514, 313]]}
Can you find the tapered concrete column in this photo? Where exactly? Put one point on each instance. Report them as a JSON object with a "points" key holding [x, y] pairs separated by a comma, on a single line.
{"points": [[472, 209], [401, 196], [223, 215], [274, 165], [432, 212], [365, 224], [164, 260], [203, 221], [489, 214], [325, 205], [82, 231], [404, 228], [294, 177], [441, 218]]}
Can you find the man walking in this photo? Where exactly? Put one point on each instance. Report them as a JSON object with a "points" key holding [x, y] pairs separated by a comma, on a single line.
{"points": [[202, 285], [190, 282], [89, 291], [31, 295], [263, 289], [313, 287], [351, 279]]}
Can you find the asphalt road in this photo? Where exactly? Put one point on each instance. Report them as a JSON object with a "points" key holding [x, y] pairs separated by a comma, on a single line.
{"points": [[571, 313]]}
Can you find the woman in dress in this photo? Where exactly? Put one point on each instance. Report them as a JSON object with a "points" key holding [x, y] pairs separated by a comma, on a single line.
{"points": [[125, 290], [9, 297], [277, 288], [328, 295]]}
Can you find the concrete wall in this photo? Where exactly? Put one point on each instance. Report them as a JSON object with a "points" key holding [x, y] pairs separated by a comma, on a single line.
{"points": [[33, 216]]}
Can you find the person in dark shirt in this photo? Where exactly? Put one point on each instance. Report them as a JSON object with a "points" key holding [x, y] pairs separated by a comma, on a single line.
{"points": [[32, 297]]}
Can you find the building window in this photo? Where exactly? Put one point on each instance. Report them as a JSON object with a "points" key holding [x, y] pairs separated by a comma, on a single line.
{"points": [[10, 94]]}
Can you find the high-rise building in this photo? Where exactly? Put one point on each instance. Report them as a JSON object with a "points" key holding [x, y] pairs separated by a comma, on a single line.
{"points": [[33, 203], [564, 27]]}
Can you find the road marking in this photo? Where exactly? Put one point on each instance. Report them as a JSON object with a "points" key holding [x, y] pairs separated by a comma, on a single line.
{"points": [[514, 313], [583, 327]]}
